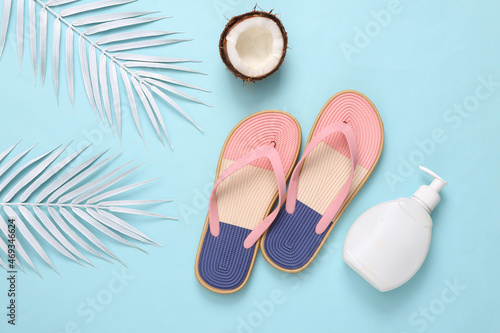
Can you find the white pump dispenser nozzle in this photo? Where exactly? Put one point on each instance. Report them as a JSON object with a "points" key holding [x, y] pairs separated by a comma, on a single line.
{"points": [[428, 195]]}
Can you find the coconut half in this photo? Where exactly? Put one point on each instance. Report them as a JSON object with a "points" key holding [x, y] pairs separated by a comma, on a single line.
{"points": [[253, 45]]}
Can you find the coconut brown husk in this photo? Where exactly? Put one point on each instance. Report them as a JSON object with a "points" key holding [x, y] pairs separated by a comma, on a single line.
{"points": [[238, 19]]}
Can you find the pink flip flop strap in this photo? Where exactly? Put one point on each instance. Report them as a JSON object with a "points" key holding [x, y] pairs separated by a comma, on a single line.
{"points": [[336, 204], [272, 155]]}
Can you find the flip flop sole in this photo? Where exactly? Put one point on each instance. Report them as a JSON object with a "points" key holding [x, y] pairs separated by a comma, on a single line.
{"points": [[291, 243], [244, 199]]}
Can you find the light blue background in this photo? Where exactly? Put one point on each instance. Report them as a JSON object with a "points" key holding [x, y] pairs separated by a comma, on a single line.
{"points": [[427, 58]]}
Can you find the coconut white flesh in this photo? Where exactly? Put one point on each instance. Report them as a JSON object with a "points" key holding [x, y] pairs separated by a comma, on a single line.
{"points": [[255, 46]]}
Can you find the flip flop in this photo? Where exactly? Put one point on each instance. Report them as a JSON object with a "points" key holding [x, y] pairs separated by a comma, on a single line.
{"points": [[343, 148], [258, 153]]}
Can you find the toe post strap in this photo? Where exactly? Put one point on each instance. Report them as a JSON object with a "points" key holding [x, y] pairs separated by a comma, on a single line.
{"points": [[333, 209], [272, 155]]}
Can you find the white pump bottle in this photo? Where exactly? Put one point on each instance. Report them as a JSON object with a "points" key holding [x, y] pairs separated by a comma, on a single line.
{"points": [[388, 243]]}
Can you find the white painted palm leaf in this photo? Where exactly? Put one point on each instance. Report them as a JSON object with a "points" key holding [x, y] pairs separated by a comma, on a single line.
{"points": [[100, 72], [66, 205]]}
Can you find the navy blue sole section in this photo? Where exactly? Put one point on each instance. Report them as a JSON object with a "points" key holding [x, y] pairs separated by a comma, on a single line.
{"points": [[223, 261], [292, 239]]}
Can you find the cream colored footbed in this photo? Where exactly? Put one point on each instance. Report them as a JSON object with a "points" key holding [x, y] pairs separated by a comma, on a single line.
{"points": [[324, 173], [243, 198]]}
